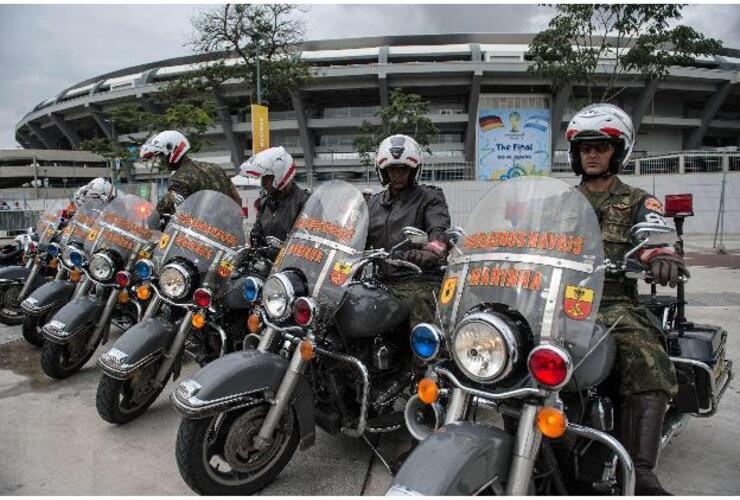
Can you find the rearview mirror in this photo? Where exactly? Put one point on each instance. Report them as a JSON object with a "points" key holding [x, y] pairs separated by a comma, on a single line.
{"points": [[455, 234], [417, 237], [273, 242], [653, 235]]}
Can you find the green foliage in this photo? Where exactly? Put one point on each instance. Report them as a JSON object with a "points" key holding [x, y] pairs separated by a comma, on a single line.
{"points": [[404, 114], [636, 39], [104, 147]]}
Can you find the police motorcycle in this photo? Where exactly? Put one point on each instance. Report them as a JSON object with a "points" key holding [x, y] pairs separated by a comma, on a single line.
{"points": [[517, 338], [35, 266], [110, 249], [194, 280], [333, 352], [69, 282]]}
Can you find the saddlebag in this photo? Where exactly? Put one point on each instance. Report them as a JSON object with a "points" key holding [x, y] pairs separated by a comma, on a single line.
{"points": [[48, 296], [699, 354]]}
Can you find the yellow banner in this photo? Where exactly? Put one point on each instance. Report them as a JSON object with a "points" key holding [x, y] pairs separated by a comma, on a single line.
{"points": [[260, 128]]}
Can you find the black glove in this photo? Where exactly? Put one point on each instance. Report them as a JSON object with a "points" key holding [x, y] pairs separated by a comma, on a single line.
{"points": [[256, 236], [666, 269], [425, 259]]}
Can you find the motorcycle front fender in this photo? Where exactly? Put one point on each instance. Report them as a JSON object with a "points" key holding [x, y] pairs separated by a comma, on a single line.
{"points": [[240, 379], [457, 459], [75, 317], [14, 274], [48, 296], [141, 344]]}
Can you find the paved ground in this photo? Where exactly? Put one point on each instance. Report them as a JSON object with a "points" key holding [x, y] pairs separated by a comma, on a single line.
{"points": [[54, 443]]}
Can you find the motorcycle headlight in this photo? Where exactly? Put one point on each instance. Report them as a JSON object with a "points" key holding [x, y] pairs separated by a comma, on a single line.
{"points": [[174, 281], [101, 267], [484, 347], [277, 296]]}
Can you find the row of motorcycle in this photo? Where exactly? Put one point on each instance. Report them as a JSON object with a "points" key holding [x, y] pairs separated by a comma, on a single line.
{"points": [[315, 339]]}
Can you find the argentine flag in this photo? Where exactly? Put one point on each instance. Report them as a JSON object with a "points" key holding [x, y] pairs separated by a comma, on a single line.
{"points": [[538, 122]]}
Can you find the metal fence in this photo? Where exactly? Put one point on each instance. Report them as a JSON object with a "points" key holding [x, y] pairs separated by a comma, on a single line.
{"points": [[679, 162], [14, 222]]}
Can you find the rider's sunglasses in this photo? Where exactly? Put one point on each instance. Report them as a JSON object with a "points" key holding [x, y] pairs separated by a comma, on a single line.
{"points": [[599, 147]]}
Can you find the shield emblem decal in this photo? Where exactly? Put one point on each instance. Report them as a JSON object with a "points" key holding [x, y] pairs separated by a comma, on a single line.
{"points": [[340, 273], [164, 240], [448, 290], [578, 302]]}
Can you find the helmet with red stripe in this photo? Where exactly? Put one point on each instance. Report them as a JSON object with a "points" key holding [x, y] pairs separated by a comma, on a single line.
{"points": [[601, 122], [171, 143], [398, 150], [272, 161]]}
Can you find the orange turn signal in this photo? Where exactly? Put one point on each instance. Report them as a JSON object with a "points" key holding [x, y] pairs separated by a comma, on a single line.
{"points": [[306, 348], [198, 320], [253, 323], [53, 263], [123, 297], [143, 292], [428, 391], [551, 422], [74, 276]]}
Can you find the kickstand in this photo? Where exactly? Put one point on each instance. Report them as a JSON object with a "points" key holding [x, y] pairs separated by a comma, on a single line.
{"points": [[379, 455]]}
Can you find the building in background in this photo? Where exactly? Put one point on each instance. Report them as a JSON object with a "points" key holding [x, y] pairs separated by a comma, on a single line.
{"points": [[471, 81]]}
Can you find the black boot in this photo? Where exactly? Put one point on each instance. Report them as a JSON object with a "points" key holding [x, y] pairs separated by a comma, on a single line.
{"points": [[640, 431]]}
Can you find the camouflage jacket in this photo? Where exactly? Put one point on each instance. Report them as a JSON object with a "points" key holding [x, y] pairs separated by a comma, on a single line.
{"points": [[276, 215], [618, 210], [193, 176]]}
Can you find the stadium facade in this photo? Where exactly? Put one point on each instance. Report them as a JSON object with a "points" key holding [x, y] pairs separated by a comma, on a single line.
{"points": [[463, 76]]}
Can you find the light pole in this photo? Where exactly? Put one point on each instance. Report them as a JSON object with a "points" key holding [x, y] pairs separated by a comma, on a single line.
{"points": [[257, 63]]}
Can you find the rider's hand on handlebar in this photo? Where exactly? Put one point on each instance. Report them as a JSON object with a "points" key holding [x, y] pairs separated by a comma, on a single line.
{"points": [[666, 269], [425, 259]]}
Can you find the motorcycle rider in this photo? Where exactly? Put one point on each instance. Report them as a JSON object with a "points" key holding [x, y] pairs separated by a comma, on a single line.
{"points": [[188, 176], [405, 202], [281, 201], [601, 138]]}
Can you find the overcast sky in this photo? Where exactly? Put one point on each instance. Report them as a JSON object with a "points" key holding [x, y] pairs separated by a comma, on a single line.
{"points": [[47, 48]]}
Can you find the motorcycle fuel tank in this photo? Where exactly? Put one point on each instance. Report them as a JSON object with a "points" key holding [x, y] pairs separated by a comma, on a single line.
{"points": [[368, 310]]}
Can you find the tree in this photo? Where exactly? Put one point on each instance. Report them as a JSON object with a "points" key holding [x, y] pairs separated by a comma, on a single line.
{"points": [[270, 33], [608, 46], [404, 114]]}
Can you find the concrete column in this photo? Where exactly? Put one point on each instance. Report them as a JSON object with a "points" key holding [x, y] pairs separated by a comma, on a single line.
{"points": [[637, 167], [682, 164], [224, 117], [708, 113], [557, 110], [100, 118], [305, 133], [43, 136], [65, 129], [643, 103], [472, 126], [382, 76]]}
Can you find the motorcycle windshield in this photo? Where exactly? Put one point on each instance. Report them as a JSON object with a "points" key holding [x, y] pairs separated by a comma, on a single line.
{"points": [[326, 243], [125, 226], [532, 244], [48, 223], [205, 231], [82, 221]]}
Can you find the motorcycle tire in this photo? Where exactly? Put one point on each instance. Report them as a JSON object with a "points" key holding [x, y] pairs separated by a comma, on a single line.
{"points": [[195, 462], [32, 324], [11, 314], [112, 399], [55, 358]]}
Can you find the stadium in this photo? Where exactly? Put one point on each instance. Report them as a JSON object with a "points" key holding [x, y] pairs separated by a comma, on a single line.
{"points": [[463, 76]]}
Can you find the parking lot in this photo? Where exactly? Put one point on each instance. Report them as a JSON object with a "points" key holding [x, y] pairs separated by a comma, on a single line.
{"points": [[54, 443]]}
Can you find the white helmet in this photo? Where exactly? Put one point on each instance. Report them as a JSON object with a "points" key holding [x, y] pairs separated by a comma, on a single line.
{"points": [[79, 196], [99, 188], [170, 142], [397, 150], [599, 122], [272, 161]]}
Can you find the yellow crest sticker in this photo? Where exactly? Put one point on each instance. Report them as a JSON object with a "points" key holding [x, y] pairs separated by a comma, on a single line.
{"points": [[448, 290], [164, 240], [225, 268], [92, 235], [340, 273], [578, 302], [67, 231]]}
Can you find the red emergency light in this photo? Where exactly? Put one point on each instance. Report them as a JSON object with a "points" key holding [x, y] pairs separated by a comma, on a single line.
{"points": [[679, 205]]}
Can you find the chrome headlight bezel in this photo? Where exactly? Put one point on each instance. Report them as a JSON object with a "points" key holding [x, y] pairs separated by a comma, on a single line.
{"points": [[66, 255], [500, 331], [101, 261], [284, 292], [182, 274]]}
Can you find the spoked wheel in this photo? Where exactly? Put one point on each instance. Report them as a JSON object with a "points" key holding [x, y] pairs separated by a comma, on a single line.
{"points": [[121, 401], [10, 305], [216, 456], [62, 360], [32, 325]]}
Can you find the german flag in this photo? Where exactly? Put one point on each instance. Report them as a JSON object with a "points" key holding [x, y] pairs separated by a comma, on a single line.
{"points": [[490, 122]]}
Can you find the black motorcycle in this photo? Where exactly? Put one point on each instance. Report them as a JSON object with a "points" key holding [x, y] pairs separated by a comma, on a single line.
{"points": [[31, 265], [196, 305], [333, 352], [126, 227], [68, 283], [518, 396]]}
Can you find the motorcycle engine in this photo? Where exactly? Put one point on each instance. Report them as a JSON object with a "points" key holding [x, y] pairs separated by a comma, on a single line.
{"points": [[383, 353]]}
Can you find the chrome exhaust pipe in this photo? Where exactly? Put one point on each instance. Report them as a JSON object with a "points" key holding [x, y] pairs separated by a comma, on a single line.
{"points": [[423, 419]]}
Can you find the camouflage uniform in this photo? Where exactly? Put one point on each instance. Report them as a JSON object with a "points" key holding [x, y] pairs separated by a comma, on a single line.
{"points": [[193, 176], [420, 206], [642, 363]]}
